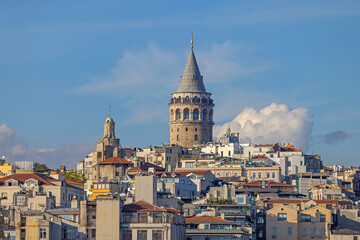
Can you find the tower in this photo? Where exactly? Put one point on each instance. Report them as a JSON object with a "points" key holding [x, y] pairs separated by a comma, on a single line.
{"points": [[191, 108], [108, 145]]}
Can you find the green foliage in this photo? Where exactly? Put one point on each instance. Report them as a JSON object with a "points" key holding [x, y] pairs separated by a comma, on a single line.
{"points": [[40, 167], [74, 176], [219, 201]]}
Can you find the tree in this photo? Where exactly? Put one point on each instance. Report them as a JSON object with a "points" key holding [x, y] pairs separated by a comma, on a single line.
{"points": [[40, 167], [74, 176]]}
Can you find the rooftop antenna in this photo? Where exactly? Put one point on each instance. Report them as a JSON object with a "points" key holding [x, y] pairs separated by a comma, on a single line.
{"points": [[192, 41], [109, 109]]}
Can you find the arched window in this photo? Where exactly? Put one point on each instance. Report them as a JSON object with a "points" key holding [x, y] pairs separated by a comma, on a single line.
{"points": [[178, 114], [178, 138], [186, 113], [196, 137], [196, 114], [172, 118], [204, 114]]}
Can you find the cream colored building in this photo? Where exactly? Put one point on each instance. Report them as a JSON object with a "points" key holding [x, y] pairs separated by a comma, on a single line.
{"points": [[286, 222], [62, 190], [252, 173]]}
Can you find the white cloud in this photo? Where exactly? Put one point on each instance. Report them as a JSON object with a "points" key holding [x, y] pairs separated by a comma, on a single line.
{"points": [[272, 124], [6, 134]]}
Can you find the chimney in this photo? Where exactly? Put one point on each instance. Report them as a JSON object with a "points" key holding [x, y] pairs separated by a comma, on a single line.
{"points": [[74, 202]]}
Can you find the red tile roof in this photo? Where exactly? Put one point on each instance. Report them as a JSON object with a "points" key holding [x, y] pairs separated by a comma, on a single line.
{"points": [[82, 161], [142, 206], [134, 169], [197, 172], [23, 177], [206, 219], [115, 160]]}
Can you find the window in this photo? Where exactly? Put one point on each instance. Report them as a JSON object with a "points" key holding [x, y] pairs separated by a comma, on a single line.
{"points": [[281, 216], [206, 226], [260, 220], [303, 232], [322, 218], [274, 232], [260, 234], [127, 234], [289, 231], [195, 129], [254, 175], [301, 162], [241, 200], [328, 206], [355, 237], [196, 137], [178, 138], [236, 174], [42, 232], [186, 129], [227, 174], [157, 218], [218, 174], [187, 114], [267, 175], [117, 174], [4, 195], [259, 174], [143, 218], [196, 114], [313, 232], [157, 235], [93, 233], [322, 232], [273, 175], [141, 234], [177, 130], [305, 218], [229, 153]]}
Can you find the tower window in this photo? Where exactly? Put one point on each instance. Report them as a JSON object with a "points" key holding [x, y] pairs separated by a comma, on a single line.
{"points": [[177, 130], [186, 129], [186, 113], [196, 137], [195, 129], [196, 114], [178, 138]]}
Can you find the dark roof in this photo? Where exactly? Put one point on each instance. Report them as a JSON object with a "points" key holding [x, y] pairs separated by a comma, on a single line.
{"points": [[344, 231], [142, 206]]}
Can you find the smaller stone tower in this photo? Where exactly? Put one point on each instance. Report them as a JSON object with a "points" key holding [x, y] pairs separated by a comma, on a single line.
{"points": [[108, 146]]}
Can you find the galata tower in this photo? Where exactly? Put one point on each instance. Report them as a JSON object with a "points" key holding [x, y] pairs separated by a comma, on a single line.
{"points": [[191, 108]]}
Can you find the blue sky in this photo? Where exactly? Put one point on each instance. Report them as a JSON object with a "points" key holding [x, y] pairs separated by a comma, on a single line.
{"points": [[61, 63]]}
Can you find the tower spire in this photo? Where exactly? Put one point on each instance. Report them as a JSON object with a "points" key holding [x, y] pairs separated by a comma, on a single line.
{"points": [[192, 41]]}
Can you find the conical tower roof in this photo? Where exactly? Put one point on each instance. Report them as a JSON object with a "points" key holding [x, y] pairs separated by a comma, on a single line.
{"points": [[191, 80]]}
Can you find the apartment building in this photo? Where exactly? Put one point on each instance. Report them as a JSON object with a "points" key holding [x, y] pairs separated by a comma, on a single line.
{"points": [[285, 222]]}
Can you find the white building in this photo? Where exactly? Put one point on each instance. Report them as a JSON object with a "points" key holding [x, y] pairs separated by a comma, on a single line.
{"points": [[222, 150]]}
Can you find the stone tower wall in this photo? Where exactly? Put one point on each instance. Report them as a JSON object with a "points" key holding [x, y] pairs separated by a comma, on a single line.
{"points": [[197, 122]]}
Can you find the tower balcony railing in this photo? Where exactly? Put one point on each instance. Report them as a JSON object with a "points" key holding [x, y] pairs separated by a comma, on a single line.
{"points": [[191, 100]]}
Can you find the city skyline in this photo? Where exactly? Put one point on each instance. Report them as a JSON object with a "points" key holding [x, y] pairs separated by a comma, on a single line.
{"points": [[274, 61]]}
